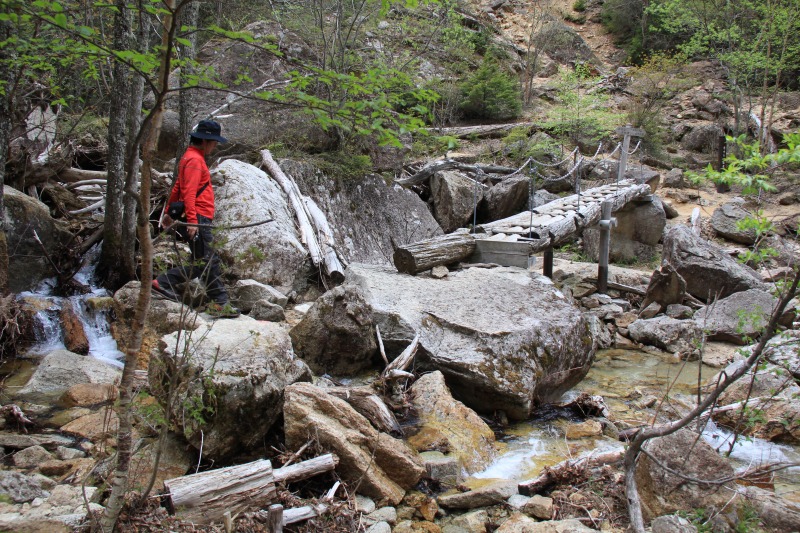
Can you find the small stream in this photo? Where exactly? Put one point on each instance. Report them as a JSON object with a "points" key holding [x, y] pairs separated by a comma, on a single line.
{"points": [[630, 380]]}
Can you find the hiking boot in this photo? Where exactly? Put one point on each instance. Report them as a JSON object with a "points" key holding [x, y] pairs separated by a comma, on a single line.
{"points": [[164, 292], [226, 310]]}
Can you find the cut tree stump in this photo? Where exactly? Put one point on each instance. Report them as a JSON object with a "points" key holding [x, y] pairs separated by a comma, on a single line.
{"points": [[424, 255]]}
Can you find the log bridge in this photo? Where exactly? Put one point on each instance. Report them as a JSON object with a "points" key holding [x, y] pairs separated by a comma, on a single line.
{"points": [[511, 241]]}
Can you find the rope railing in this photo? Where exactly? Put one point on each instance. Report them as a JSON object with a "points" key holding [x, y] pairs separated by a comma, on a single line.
{"points": [[636, 148]]}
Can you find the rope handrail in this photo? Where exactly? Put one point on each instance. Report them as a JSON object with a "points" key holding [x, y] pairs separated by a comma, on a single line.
{"points": [[636, 148], [553, 165]]}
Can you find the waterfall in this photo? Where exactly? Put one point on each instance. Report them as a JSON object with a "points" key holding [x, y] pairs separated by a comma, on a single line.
{"points": [[88, 308], [764, 133]]}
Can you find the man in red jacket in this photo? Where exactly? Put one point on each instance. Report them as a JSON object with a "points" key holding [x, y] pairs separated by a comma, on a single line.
{"points": [[193, 188]]}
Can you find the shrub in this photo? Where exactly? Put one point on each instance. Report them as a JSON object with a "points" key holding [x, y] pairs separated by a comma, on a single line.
{"points": [[491, 93]]}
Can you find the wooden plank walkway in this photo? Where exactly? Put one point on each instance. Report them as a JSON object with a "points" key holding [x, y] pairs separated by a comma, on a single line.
{"points": [[561, 220]]}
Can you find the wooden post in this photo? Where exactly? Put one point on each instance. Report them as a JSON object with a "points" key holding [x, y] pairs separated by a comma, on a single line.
{"points": [[606, 223], [275, 518], [547, 266], [626, 132]]}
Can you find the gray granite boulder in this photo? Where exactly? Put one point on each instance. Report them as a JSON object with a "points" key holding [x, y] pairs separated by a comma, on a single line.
{"points": [[27, 263], [231, 377], [726, 219], [740, 317], [708, 270], [60, 370], [504, 338]]}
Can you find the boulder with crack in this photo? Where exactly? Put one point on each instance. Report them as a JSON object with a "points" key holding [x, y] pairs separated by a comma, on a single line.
{"points": [[504, 338], [377, 464], [447, 423]]}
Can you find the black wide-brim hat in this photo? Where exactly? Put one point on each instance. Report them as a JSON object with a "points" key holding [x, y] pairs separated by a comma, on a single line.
{"points": [[208, 129]]}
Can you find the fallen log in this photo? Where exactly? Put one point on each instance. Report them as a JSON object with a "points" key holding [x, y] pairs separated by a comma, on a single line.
{"points": [[206, 496], [277, 517], [305, 217], [446, 164], [565, 470], [424, 255], [491, 131]]}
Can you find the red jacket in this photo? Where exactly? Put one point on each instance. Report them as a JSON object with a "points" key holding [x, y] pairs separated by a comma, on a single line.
{"points": [[192, 175]]}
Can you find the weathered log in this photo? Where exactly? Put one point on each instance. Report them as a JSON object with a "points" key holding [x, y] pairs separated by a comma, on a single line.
{"points": [[307, 233], [424, 255], [206, 496], [370, 406], [445, 164], [403, 361], [490, 131], [562, 471], [298, 514], [333, 266], [305, 469]]}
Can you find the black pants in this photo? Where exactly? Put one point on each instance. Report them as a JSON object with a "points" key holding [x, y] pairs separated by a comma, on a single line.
{"points": [[205, 265]]}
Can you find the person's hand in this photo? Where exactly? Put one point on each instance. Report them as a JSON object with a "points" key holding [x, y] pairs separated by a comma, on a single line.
{"points": [[166, 221], [191, 231]]}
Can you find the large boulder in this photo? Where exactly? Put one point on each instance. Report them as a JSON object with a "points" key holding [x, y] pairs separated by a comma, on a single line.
{"points": [[740, 317], [164, 316], [447, 424], [336, 336], [381, 466], [60, 370], [639, 228], [773, 411], [240, 65], [783, 350], [663, 492], [726, 219], [702, 138], [27, 262], [270, 253], [504, 338], [670, 334], [230, 381], [708, 270], [368, 216], [509, 197], [454, 199]]}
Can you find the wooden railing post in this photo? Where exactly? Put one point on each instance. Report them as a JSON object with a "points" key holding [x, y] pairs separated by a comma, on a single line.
{"points": [[606, 223]]}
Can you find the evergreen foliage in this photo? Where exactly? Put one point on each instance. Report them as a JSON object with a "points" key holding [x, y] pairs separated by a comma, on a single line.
{"points": [[490, 93]]}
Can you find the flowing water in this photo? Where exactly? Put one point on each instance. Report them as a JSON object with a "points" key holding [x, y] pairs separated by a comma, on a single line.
{"points": [[632, 382], [92, 310]]}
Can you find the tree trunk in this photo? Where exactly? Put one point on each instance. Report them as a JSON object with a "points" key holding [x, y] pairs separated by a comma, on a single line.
{"points": [[112, 262], [119, 479], [7, 74], [187, 52], [131, 200], [424, 255]]}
